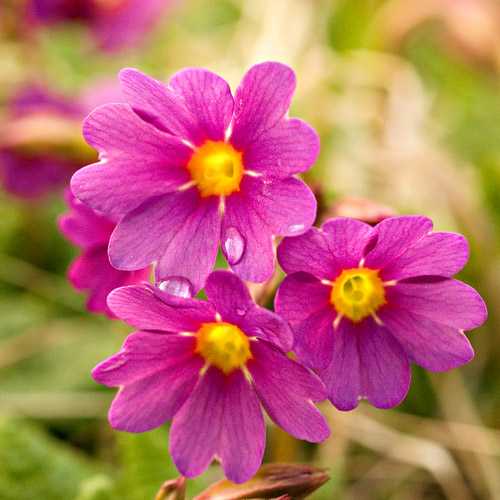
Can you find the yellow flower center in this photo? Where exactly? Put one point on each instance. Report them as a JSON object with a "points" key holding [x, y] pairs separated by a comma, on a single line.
{"points": [[223, 345], [216, 168], [358, 293]]}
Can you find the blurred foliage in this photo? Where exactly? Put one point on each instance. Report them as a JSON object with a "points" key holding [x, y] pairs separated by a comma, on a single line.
{"points": [[406, 98]]}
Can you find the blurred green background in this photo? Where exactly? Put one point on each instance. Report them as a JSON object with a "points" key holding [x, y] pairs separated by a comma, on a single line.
{"points": [[406, 99]]}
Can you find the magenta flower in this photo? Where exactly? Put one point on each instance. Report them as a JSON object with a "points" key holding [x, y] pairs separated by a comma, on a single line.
{"points": [[115, 24], [191, 167], [209, 365], [363, 302], [31, 160], [41, 143], [91, 271]]}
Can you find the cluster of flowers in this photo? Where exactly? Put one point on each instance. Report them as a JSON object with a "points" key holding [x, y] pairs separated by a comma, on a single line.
{"points": [[186, 168]]}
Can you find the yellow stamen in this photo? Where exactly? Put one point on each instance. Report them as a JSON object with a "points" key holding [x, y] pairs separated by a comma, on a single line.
{"points": [[216, 168], [358, 293], [223, 345]]}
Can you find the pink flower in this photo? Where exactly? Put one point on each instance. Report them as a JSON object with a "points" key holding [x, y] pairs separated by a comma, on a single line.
{"points": [[41, 144], [114, 23], [192, 168], [363, 302], [209, 365], [91, 271]]}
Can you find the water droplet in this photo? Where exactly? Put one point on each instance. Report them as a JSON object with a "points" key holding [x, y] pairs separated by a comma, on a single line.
{"points": [[176, 285], [296, 228], [240, 312], [233, 245]]}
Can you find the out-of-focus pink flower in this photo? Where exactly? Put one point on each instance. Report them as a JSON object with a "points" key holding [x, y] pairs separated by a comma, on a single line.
{"points": [[91, 271], [364, 301], [114, 23], [41, 143], [361, 209]]}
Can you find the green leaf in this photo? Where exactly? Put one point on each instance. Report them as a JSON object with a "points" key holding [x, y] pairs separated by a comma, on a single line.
{"points": [[34, 466]]}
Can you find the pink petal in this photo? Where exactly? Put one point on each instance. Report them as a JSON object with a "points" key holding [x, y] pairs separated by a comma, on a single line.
{"points": [[208, 97], [261, 100], [243, 431], [261, 210], [180, 231], [286, 390], [144, 308], [155, 103], [367, 363], [305, 303], [195, 431], [434, 346], [152, 401], [129, 149], [92, 272], [309, 252], [232, 300], [442, 300], [395, 236], [348, 240], [290, 147], [143, 355], [441, 254], [192, 247]]}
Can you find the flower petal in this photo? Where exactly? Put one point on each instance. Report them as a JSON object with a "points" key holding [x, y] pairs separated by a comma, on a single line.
{"points": [[434, 346], [178, 230], [286, 390], [195, 431], [263, 209], [192, 247], [93, 272], [144, 354], [152, 401], [385, 370], [155, 103], [439, 254], [243, 431], [229, 295], [261, 100], [395, 236], [208, 97], [305, 303], [367, 363], [83, 226], [144, 308], [232, 300], [443, 300], [342, 377], [309, 252], [348, 240], [129, 149], [290, 147]]}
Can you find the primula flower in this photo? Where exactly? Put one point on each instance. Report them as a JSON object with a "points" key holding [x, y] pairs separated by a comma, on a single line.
{"points": [[41, 143], [115, 24], [363, 302], [91, 271], [209, 365], [190, 167]]}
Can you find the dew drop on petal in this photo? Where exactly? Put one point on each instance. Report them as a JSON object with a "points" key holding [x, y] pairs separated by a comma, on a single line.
{"points": [[233, 245], [240, 312], [176, 285], [296, 228]]}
